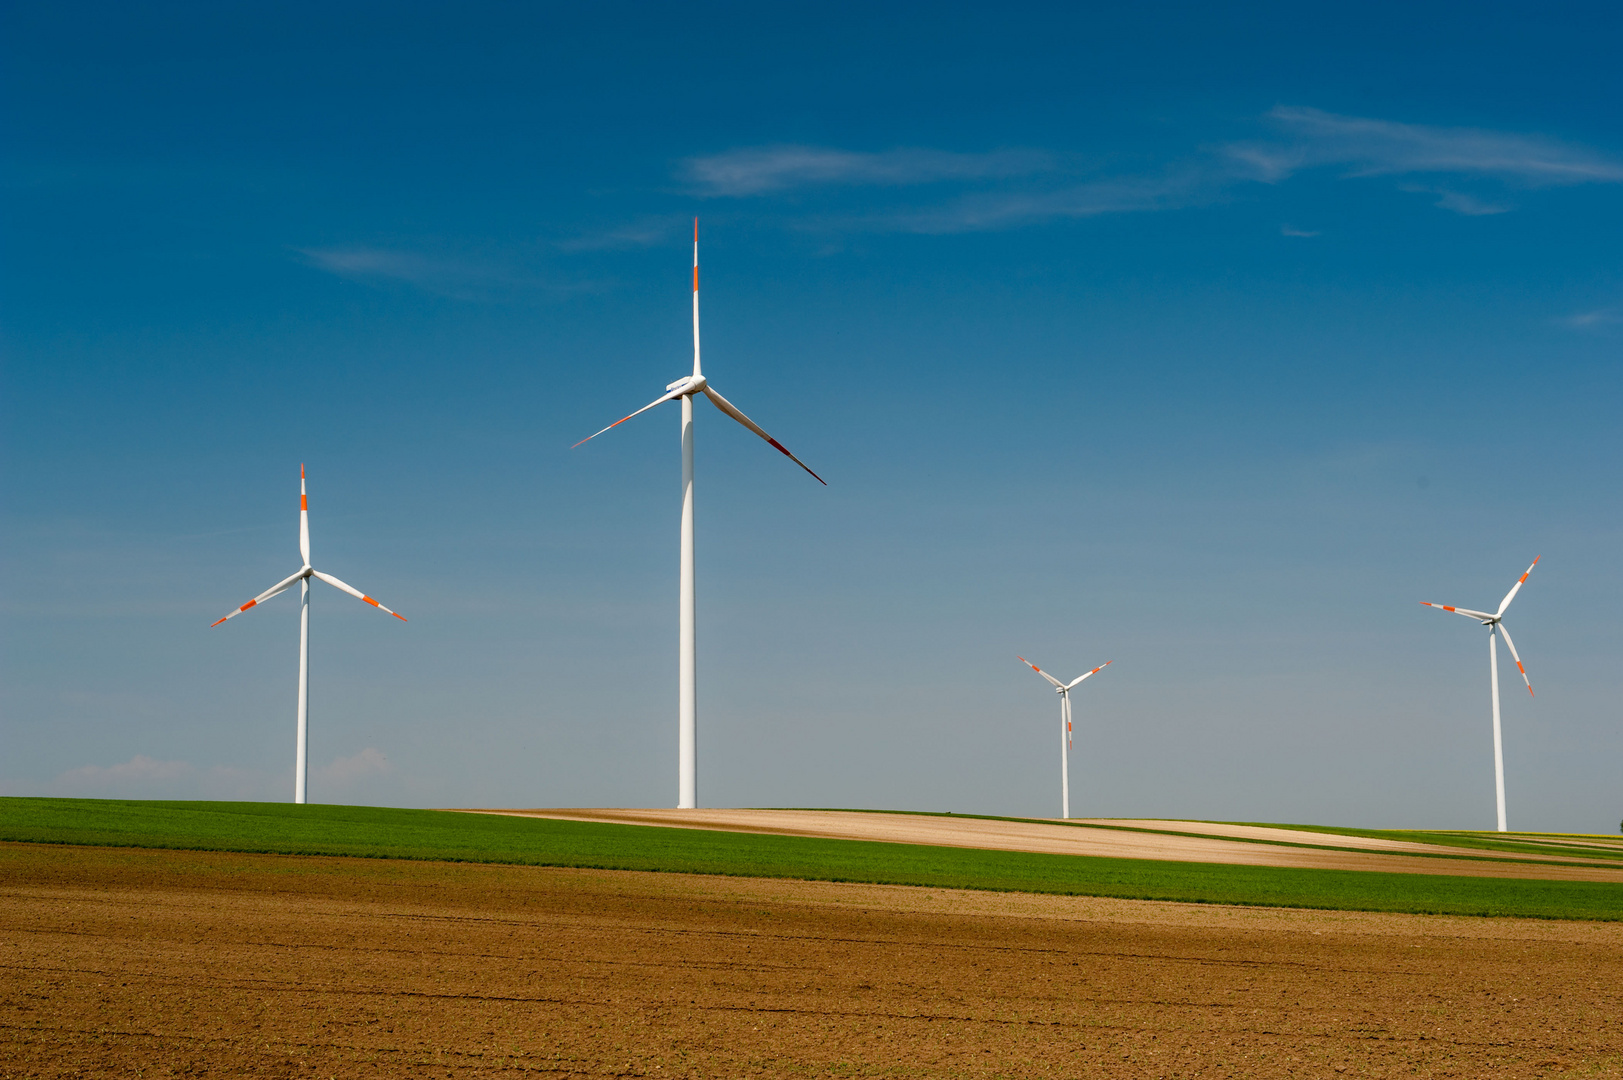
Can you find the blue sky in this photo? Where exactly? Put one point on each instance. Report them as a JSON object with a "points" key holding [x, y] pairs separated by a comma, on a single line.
{"points": [[1204, 342]]}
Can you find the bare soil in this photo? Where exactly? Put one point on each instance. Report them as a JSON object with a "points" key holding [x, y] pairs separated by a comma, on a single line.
{"points": [[125, 962], [1247, 845]]}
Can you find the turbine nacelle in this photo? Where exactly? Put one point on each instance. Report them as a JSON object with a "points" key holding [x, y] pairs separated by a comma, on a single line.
{"points": [[688, 384]]}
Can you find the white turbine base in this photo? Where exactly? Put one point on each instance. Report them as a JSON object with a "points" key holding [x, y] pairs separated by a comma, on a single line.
{"points": [[687, 679]]}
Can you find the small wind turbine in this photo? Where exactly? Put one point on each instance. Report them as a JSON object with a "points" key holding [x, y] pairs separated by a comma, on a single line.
{"points": [[306, 572], [1496, 622], [687, 693], [1064, 692]]}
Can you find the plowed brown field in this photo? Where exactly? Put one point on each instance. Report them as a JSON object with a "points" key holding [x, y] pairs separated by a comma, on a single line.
{"points": [[121, 962]]}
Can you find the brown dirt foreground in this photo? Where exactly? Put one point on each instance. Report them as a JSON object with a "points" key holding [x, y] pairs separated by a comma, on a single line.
{"points": [[124, 962]]}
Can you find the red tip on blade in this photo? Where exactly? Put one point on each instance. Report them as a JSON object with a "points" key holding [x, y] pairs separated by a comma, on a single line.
{"points": [[399, 616], [301, 470], [1530, 690], [695, 230], [218, 621]]}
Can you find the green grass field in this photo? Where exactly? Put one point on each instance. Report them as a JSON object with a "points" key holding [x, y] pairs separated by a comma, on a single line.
{"points": [[372, 832]]}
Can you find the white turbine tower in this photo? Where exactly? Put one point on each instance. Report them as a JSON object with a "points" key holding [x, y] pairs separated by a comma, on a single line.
{"points": [[1064, 692], [687, 696], [306, 572], [1495, 622]]}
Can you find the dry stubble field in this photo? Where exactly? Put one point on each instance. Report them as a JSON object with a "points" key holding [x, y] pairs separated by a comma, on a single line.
{"points": [[124, 962]]}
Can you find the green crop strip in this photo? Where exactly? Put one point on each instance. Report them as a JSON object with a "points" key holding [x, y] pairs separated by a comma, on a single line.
{"points": [[373, 832]]}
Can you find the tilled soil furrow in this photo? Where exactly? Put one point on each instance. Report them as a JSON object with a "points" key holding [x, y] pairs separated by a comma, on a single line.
{"points": [[280, 966]]}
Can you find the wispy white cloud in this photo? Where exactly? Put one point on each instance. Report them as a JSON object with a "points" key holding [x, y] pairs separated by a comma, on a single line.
{"points": [[1461, 203], [1370, 147], [1465, 170], [985, 211], [454, 277], [762, 169], [1596, 318], [646, 232], [364, 765], [140, 769]]}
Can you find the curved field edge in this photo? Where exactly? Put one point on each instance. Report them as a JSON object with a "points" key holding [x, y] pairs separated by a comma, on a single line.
{"points": [[384, 833], [1597, 848]]}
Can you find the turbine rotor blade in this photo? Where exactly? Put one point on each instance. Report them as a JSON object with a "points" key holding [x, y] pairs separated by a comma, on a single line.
{"points": [[304, 519], [356, 593], [669, 396], [1065, 700], [695, 298], [279, 587], [1512, 646], [1057, 684], [732, 410], [1514, 589], [1095, 671], [1467, 612]]}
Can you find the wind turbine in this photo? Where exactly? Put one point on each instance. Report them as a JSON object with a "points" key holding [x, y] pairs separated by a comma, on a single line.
{"points": [[306, 572], [1064, 692], [687, 692], [1495, 622]]}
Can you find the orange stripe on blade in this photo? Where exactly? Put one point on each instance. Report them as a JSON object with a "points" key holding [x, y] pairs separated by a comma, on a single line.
{"points": [[304, 501], [371, 601], [248, 605], [695, 279]]}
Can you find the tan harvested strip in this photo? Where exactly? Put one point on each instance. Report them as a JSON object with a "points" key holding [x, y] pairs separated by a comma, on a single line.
{"points": [[1272, 835], [1081, 839]]}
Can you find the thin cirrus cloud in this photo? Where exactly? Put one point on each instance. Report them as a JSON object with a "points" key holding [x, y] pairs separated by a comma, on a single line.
{"points": [[1368, 147], [986, 211], [1012, 188], [764, 169], [1599, 317], [444, 276], [457, 278]]}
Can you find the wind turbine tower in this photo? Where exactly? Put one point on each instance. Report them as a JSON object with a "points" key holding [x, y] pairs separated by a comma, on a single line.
{"points": [[686, 389], [1495, 623], [305, 573], [1064, 692]]}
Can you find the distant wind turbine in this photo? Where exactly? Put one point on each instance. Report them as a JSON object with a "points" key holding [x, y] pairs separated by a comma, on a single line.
{"points": [[1064, 691], [1496, 622], [687, 695], [306, 572]]}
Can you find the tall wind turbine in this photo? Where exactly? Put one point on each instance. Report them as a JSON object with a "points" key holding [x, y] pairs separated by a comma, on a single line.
{"points": [[1064, 692], [687, 693], [1495, 622], [306, 572]]}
